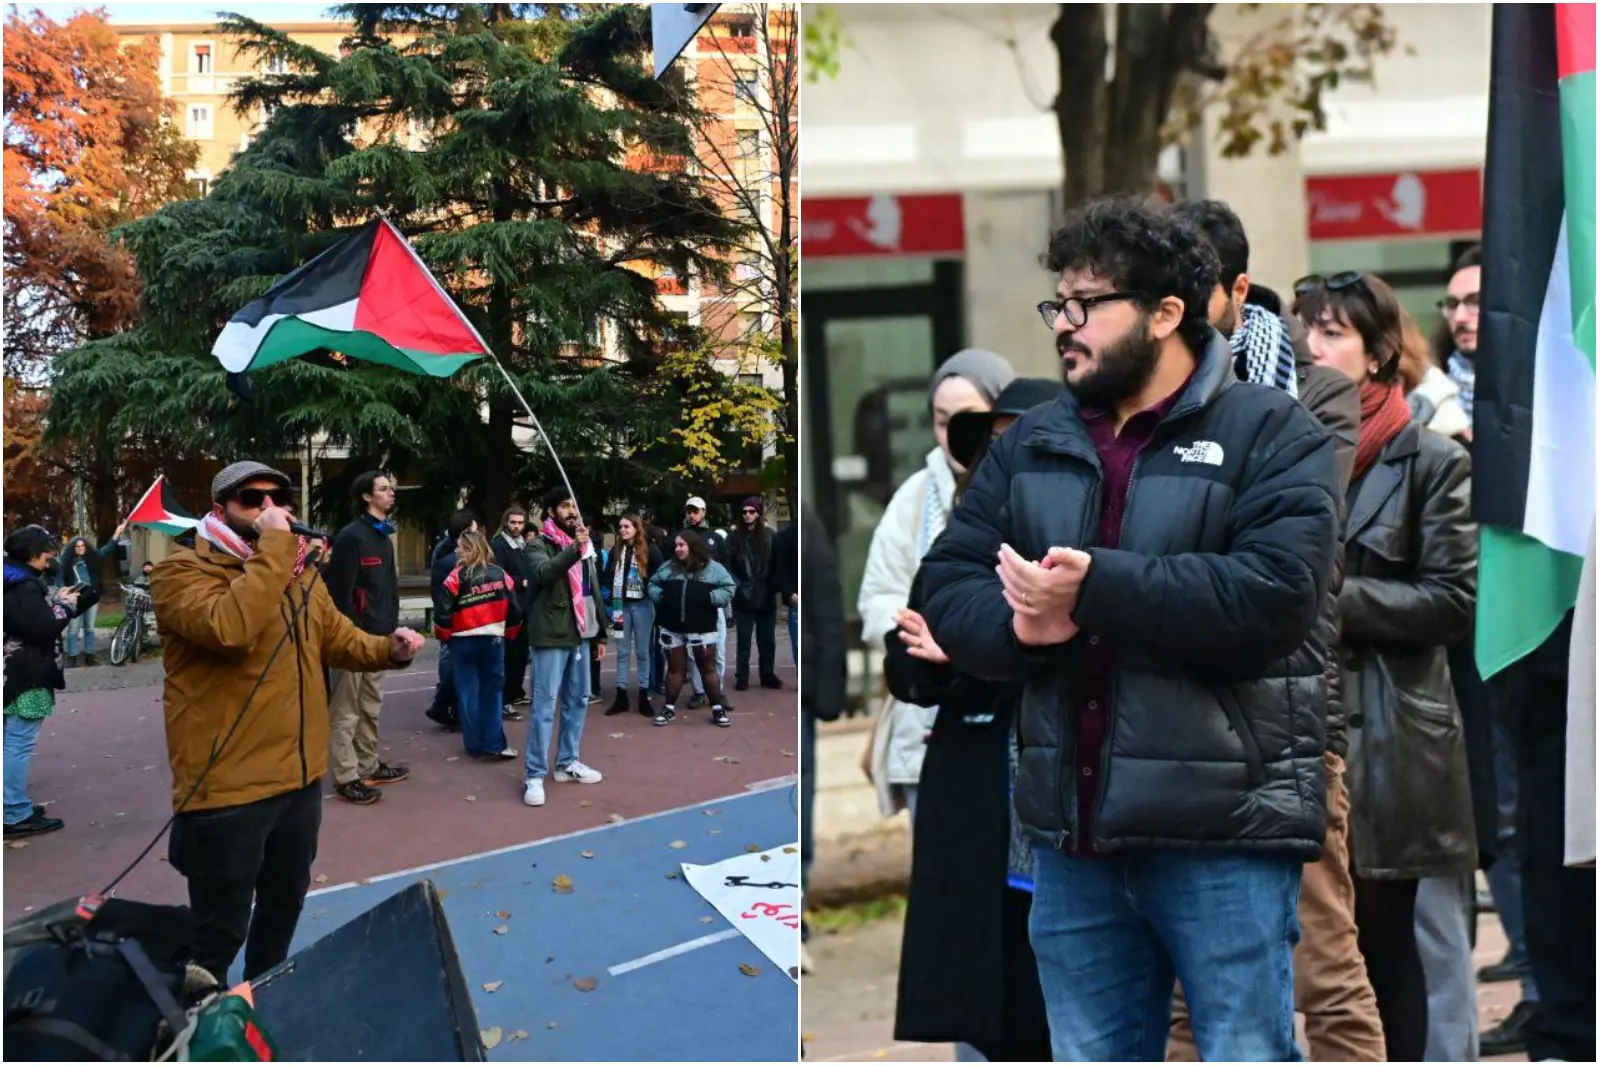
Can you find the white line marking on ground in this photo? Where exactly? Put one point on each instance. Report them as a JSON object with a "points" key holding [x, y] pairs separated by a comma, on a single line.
{"points": [[677, 949], [441, 864]]}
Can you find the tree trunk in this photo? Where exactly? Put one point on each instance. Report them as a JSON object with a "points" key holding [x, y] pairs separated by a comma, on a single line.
{"points": [[501, 334], [1079, 34]]}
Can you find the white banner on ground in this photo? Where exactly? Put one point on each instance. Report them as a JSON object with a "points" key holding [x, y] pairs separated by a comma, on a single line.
{"points": [[759, 894]]}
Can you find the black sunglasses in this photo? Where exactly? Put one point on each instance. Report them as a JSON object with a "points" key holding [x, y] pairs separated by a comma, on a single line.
{"points": [[1076, 308], [1345, 279], [282, 497]]}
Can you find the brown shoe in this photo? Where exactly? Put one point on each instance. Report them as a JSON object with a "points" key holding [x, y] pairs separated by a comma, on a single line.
{"points": [[359, 793], [387, 775]]}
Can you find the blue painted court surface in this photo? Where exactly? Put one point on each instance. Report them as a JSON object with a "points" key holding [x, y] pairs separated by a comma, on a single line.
{"points": [[623, 913]]}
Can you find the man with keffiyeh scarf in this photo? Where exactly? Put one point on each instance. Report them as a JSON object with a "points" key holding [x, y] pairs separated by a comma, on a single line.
{"points": [[565, 620], [247, 782]]}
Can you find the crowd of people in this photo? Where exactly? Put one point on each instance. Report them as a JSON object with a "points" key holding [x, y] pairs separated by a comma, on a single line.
{"points": [[1253, 509]]}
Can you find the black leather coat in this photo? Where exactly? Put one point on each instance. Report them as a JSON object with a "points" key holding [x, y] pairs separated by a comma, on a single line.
{"points": [[1411, 560]]}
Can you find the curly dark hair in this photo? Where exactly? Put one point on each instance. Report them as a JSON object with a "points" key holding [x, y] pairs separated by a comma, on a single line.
{"points": [[1223, 229], [1142, 247]]}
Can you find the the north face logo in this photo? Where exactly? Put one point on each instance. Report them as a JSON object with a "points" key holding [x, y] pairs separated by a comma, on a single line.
{"points": [[1201, 451]]}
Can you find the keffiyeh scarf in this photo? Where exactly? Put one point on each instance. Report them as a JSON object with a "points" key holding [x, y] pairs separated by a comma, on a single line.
{"points": [[214, 529], [562, 540], [1266, 349]]}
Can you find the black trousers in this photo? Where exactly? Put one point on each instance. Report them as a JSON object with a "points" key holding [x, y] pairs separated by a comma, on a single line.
{"points": [[1558, 902], [517, 655], [764, 624], [232, 856], [1386, 923]]}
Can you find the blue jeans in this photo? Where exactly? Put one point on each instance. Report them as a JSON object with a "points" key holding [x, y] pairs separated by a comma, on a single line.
{"points": [[794, 633], [22, 735], [478, 668], [639, 617], [82, 625], [558, 674], [444, 693], [1111, 934], [1505, 874]]}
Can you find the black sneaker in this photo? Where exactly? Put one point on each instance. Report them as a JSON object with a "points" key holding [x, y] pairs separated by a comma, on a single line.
{"points": [[697, 702], [35, 824], [719, 716], [741, 684], [359, 794], [1507, 969], [509, 713], [444, 718], [387, 775], [522, 701], [1510, 1037], [771, 682], [666, 716]]}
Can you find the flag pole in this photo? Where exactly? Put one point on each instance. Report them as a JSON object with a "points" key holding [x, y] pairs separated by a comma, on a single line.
{"points": [[504, 374]]}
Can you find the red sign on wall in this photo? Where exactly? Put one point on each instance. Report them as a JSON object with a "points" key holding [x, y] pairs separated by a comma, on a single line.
{"points": [[882, 225], [1409, 204]]}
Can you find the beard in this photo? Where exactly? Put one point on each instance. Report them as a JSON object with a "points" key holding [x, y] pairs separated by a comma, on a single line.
{"points": [[569, 523], [1229, 320], [1124, 367], [247, 530]]}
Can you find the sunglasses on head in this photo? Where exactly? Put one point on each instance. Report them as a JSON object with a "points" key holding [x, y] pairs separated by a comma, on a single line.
{"points": [[260, 497], [1345, 279]]}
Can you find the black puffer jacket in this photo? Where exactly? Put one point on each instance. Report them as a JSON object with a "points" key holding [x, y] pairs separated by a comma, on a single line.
{"points": [[1215, 734], [1411, 560], [33, 631]]}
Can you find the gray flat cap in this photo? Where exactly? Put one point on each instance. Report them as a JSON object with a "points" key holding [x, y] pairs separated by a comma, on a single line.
{"points": [[239, 473]]}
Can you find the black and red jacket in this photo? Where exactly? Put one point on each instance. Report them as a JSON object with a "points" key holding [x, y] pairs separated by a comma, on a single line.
{"points": [[481, 605], [361, 576]]}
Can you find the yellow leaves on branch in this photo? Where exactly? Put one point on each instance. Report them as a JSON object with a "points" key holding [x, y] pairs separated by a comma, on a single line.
{"points": [[722, 416]]}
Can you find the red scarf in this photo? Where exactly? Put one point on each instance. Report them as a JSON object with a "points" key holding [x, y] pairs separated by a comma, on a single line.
{"points": [[560, 538], [214, 530], [1384, 413]]}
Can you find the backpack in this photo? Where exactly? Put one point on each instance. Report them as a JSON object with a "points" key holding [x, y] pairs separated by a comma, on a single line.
{"points": [[95, 981]]}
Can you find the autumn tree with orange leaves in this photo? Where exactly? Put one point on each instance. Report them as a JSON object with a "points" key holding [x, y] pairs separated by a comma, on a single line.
{"points": [[88, 146]]}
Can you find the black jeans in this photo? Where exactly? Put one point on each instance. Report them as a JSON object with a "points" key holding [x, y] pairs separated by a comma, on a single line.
{"points": [[765, 625], [231, 856], [517, 653], [1386, 923]]}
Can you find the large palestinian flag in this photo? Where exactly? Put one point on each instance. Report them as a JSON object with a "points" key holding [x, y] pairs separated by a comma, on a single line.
{"points": [[370, 297], [158, 509], [1533, 472]]}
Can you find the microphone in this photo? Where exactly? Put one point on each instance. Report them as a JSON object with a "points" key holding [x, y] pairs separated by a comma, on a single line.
{"points": [[306, 531]]}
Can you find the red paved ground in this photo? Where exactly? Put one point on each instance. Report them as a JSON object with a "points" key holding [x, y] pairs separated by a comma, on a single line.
{"points": [[101, 764]]}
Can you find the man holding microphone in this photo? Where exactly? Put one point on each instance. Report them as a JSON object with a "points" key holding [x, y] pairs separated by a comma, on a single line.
{"points": [[247, 784]]}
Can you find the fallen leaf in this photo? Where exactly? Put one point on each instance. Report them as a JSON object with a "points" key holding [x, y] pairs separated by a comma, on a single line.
{"points": [[615, 819], [786, 753], [706, 919], [491, 1038], [766, 858], [709, 811], [673, 876], [549, 959], [678, 845], [550, 1025], [492, 986], [794, 971], [714, 832], [586, 803], [586, 984], [520, 1034], [363, 880], [752, 848], [17, 845], [587, 854], [790, 851], [562, 884], [618, 736], [501, 930], [321, 879], [729, 759], [453, 758], [472, 799], [502, 914], [443, 892], [748, 970]]}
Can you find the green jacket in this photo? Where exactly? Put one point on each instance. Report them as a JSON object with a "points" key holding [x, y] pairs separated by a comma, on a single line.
{"points": [[550, 622]]}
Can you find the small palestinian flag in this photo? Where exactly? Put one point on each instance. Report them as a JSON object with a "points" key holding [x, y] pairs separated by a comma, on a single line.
{"points": [[158, 509], [369, 297], [1533, 476]]}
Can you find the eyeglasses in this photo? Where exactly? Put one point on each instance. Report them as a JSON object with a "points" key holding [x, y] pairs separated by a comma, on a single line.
{"points": [[751, 510], [1345, 279], [1450, 304], [1076, 308], [253, 498]]}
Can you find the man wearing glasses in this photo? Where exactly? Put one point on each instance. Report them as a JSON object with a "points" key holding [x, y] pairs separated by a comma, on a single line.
{"points": [[247, 781], [1148, 555], [1460, 310]]}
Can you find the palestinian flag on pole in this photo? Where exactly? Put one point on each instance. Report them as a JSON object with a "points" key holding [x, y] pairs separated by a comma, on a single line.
{"points": [[369, 297], [158, 509], [1533, 472]]}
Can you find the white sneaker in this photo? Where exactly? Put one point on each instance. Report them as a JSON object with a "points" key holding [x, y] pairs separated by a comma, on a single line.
{"points": [[576, 771], [533, 794]]}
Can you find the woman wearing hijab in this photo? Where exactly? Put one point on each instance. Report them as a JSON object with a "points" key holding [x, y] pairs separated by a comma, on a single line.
{"points": [[967, 970], [970, 380]]}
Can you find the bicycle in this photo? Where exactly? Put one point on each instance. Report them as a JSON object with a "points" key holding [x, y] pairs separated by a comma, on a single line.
{"points": [[138, 624]]}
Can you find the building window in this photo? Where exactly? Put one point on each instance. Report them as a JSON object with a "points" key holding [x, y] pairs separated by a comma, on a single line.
{"points": [[201, 187], [749, 145], [743, 28], [749, 266], [746, 86], [276, 65], [199, 122], [202, 59]]}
